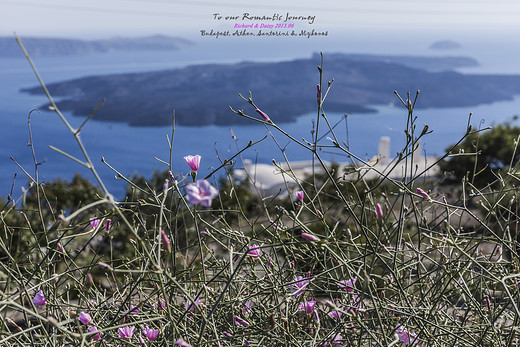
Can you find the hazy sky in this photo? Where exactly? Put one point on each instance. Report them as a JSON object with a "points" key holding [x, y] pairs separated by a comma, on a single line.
{"points": [[107, 18]]}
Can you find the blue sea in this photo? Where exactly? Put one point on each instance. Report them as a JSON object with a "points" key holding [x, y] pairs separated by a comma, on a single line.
{"points": [[137, 150]]}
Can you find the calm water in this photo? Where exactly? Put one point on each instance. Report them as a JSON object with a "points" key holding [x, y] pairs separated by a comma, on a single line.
{"points": [[133, 150]]}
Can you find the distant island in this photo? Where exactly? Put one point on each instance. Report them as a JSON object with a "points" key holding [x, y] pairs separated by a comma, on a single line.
{"points": [[202, 94], [445, 44], [58, 46]]}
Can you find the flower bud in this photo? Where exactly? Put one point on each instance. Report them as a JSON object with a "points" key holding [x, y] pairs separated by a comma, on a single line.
{"points": [[165, 241], [309, 237], [264, 116]]}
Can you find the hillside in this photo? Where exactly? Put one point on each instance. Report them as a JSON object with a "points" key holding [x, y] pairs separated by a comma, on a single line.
{"points": [[57, 46]]}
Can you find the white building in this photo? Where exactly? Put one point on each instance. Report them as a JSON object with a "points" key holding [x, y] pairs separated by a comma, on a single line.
{"points": [[271, 179]]}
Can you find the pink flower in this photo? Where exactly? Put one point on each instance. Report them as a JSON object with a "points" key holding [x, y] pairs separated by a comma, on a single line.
{"points": [[299, 285], [165, 241], [190, 306], [246, 308], [355, 302], [241, 321], [335, 314], [423, 193], [347, 284], [308, 306], [379, 211], [309, 237], [161, 305], [299, 195], [193, 162], [201, 192], [60, 247], [182, 343], [92, 329], [264, 116], [405, 336], [151, 334], [94, 222], [255, 251], [107, 227], [84, 318], [226, 334], [336, 341], [126, 333], [39, 299], [134, 309]]}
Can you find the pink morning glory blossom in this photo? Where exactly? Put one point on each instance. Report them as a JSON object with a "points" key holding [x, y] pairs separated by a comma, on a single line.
{"points": [[134, 309], [161, 305], [193, 162], [39, 299], [92, 329], [126, 333], [308, 306], [201, 192], [84, 318], [299, 285], [151, 334], [405, 336], [334, 314], [190, 306], [246, 308], [348, 285], [255, 251], [94, 222]]}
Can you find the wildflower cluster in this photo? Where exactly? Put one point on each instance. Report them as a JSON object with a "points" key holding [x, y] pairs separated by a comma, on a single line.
{"points": [[331, 259]]}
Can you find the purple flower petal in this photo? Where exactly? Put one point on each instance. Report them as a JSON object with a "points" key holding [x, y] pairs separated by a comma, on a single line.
{"points": [[241, 321], [126, 333], [39, 299], [299, 285], [308, 306], [92, 329], [182, 343], [255, 251], [151, 334], [84, 318]]}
